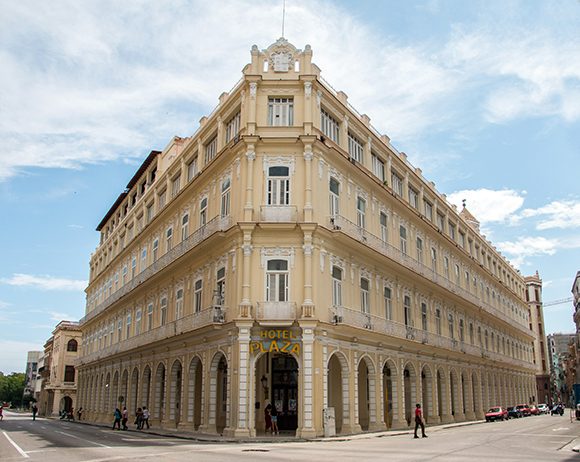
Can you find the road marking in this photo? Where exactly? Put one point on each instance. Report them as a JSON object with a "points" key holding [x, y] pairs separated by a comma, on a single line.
{"points": [[40, 450], [560, 429], [83, 439], [18, 448]]}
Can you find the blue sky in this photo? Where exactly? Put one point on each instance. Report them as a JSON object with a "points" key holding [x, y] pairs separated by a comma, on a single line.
{"points": [[483, 96]]}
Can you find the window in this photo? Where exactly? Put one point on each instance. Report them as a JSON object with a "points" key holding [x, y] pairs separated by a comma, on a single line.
{"points": [[461, 239], [119, 329], [155, 249], [440, 222], [397, 183], [133, 267], [138, 322], [365, 302], [438, 321], [378, 167], [277, 281], [413, 198], [451, 325], [446, 267], [184, 226], [452, 231], [175, 186], [486, 340], [278, 186], [143, 258], [461, 331], [329, 125], [197, 295], [280, 111], [69, 374], [192, 169], [471, 333], [72, 345], [225, 204], [403, 238], [203, 212], [424, 320], [211, 149], [334, 187], [355, 148], [128, 326], [407, 311], [150, 316], [163, 311], [336, 286], [387, 295], [178, 304], [457, 275], [232, 127], [361, 207], [428, 211], [434, 259], [221, 285], [162, 199], [419, 250], [150, 212], [384, 227], [168, 239], [479, 336]]}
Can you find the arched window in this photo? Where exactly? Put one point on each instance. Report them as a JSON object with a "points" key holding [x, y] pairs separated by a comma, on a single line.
{"points": [[72, 345]]}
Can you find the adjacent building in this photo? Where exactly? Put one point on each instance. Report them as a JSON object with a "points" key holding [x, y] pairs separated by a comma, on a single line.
{"points": [[287, 253], [559, 349], [59, 377], [31, 375]]}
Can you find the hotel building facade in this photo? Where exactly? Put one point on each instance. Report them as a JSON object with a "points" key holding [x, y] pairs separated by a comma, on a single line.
{"points": [[287, 253]]}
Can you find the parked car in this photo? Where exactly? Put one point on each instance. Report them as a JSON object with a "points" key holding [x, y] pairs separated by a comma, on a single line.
{"points": [[514, 413], [525, 409], [544, 409], [496, 413], [534, 410]]}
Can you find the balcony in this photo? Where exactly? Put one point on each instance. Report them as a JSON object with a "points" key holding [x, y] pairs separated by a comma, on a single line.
{"points": [[216, 225], [278, 213], [340, 223], [215, 315], [354, 318], [278, 312]]}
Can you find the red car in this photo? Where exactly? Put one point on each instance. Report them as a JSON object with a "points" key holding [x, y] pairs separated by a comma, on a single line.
{"points": [[534, 410], [496, 413], [525, 409]]}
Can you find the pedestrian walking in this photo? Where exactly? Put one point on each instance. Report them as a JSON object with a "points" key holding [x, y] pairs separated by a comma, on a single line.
{"points": [[274, 417], [117, 421], [125, 418], [268, 417], [34, 411], [419, 421], [139, 418], [1, 411], [145, 418], [80, 413]]}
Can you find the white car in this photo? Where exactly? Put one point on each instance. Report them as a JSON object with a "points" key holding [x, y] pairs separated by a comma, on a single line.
{"points": [[544, 409]]}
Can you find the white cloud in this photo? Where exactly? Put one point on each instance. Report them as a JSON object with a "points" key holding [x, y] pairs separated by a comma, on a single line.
{"points": [[555, 215], [58, 317], [44, 282], [13, 355], [532, 246], [488, 205]]}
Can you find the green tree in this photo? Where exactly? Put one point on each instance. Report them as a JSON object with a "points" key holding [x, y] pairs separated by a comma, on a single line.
{"points": [[12, 388]]}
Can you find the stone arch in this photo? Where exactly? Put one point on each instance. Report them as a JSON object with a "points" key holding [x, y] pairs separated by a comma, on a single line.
{"points": [[124, 387], [218, 392], [455, 390], [390, 393], [175, 391], [159, 392], [464, 386], [409, 390], [338, 389], [427, 394], [476, 394], [107, 394], [115, 389], [134, 388], [443, 394], [145, 389], [366, 391], [195, 392]]}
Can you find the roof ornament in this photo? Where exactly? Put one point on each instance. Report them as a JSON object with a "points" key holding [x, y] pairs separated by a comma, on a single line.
{"points": [[283, 15], [464, 202]]}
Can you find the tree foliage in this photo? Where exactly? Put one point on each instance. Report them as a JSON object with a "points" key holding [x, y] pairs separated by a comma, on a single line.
{"points": [[12, 388]]}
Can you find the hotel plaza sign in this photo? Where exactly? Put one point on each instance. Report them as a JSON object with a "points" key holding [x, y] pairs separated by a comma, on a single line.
{"points": [[276, 341]]}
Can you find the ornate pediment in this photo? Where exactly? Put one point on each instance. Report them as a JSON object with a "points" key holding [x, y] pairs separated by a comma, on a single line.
{"points": [[282, 55]]}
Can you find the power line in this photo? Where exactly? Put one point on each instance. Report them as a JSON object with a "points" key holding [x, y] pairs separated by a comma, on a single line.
{"points": [[559, 302]]}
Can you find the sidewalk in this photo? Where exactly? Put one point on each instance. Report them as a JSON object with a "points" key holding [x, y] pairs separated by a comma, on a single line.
{"points": [[210, 438]]}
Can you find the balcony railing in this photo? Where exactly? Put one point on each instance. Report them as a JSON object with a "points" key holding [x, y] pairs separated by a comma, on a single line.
{"points": [[338, 222], [212, 227], [277, 311], [342, 315], [278, 213], [213, 315]]}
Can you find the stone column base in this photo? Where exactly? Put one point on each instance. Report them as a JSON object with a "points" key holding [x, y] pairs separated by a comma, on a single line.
{"points": [[469, 416], [377, 427], [186, 426], [447, 418], [459, 417], [306, 433], [433, 420]]}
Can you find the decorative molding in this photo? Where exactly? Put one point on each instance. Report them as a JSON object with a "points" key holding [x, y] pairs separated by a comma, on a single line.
{"points": [[282, 252], [307, 89], [287, 161], [253, 89]]}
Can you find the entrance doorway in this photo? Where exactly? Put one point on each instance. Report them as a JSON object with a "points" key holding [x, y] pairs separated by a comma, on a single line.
{"points": [[277, 384]]}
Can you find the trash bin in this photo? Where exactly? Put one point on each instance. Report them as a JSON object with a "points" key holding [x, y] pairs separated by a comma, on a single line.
{"points": [[329, 422]]}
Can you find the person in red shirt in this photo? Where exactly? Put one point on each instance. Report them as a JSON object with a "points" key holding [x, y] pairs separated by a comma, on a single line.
{"points": [[419, 421]]}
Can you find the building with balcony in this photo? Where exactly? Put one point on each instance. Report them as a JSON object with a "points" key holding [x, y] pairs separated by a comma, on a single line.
{"points": [[59, 378], [287, 253]]}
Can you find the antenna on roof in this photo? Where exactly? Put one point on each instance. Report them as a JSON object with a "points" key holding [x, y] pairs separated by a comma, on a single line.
{"points": [[283, 15], [463, 201]]}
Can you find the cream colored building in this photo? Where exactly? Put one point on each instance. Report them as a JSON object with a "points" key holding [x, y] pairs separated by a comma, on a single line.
{"points": [[59, 377], [287, 253]]}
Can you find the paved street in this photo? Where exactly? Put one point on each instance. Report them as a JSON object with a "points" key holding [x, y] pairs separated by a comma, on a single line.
{"points": [[542, 438]]}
